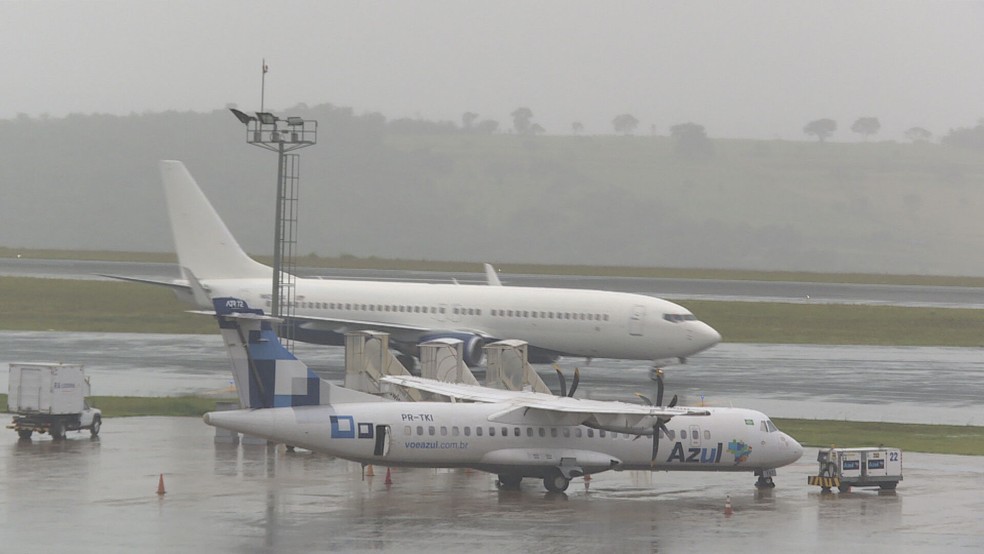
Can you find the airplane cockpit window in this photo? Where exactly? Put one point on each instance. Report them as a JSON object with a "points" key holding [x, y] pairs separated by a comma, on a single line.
{"points": [[678, 318], [768, 427]]}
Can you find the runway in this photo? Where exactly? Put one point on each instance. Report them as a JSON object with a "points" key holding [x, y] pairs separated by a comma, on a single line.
{"points": [[669, 288], [863, 383]]}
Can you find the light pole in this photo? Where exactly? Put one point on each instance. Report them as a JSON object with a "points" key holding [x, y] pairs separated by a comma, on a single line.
{"points": [[282, 135]]}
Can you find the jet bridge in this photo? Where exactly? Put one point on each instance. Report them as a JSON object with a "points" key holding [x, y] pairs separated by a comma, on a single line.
{"points": [[509, 369], [367, 359]]}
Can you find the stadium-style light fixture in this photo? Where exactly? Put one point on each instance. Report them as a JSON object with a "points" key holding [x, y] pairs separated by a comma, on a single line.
{"points": [[266, 118], [294, 121], [243, 118]]}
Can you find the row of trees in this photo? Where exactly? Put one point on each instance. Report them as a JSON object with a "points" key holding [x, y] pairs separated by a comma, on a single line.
{"points": [[864, 126]]}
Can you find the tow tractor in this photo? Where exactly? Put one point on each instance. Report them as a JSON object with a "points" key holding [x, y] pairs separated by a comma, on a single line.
{"points": [[844, 468]]}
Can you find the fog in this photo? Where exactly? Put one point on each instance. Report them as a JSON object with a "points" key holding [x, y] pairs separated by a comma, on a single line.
{"points": [[94, 93], [757, 69]]}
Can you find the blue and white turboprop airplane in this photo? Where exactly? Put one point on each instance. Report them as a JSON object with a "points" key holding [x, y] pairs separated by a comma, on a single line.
{"points": [[512, 434]]}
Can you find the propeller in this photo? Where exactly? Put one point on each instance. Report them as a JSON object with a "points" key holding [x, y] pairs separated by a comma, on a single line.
{"points": [[563, 381], [660, 424]]}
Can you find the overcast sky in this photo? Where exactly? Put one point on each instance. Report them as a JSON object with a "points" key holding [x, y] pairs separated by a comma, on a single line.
{"points": [[758, 69]]}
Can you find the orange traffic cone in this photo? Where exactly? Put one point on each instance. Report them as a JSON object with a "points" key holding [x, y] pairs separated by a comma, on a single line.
{"points": [[160, 486], [727, 506], [389, 480], [369, 471]]}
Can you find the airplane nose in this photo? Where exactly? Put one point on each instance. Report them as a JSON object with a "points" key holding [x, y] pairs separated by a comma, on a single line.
{"points": [[793, 448], [705, 336]]}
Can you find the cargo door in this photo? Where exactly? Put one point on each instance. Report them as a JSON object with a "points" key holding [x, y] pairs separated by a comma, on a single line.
{"points": [[29, 391], [382, 441], [877, 464], [850, 465], [636, 320]]}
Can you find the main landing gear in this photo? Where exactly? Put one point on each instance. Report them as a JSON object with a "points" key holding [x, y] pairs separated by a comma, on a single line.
{"points": [[765, 479], [509, 482]]}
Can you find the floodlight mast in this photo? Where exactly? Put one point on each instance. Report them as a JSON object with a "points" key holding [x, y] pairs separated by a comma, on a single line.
{"points": [[268, 131]]}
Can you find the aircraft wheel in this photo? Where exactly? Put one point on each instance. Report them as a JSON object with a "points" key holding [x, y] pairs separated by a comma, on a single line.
{"points": [[556, 482], [57, 431], [25, 434], [509, 482]]}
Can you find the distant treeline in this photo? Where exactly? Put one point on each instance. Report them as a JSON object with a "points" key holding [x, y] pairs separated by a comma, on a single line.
{"points": [[471, 191]]}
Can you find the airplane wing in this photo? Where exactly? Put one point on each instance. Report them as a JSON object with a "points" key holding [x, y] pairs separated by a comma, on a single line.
{"points": [[524, 407], [397, 330], [176, 285]]}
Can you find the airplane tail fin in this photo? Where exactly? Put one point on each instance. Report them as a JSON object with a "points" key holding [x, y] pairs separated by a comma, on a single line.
{"points": [[266, 374], [204, 244]]}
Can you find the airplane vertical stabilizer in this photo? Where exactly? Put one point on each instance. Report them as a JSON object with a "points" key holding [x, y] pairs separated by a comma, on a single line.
{"points": [[266, 374], [204, 244]]}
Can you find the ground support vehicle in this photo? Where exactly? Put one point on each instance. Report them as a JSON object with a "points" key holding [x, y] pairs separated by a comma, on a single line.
{"points": [[843, 468], [50, 398]]}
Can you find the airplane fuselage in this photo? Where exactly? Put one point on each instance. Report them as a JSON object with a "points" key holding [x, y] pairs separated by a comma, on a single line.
{"points": [[572, 322], [437, 434]]}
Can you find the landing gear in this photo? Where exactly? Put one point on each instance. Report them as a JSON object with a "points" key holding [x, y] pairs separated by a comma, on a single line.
{"points": [[509, 482], [25, 434], [556, 482], [96, 426], [764, 482]]}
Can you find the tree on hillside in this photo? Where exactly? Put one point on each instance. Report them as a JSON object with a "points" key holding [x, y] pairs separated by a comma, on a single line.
{"points": [[866, 126], [577, 127], [691, 140], [521, 120], [918, 134], [966, 137], [467, 120], [487, 127], [625, 124], [821, 128]]}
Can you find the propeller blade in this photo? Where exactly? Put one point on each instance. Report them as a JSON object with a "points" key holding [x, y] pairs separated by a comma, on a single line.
{"points": [[673, 401], [660, 425], [659, 388], [645, 399], [563, 381], [577, 379]]}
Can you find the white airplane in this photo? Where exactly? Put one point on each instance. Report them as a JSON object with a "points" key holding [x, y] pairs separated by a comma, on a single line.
{"points": [[555, 322], [512, 434]]}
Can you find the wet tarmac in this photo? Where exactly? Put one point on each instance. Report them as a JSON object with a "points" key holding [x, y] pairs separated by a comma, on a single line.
{"points": [[861, 383], [87, 495]]}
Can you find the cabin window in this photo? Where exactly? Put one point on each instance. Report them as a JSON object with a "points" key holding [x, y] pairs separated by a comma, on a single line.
{"points": [[707, 435], [553, 432], [478, 431], [444, 431], [529, 431], [542, 432], [407, 430], [590, 433], [467, 431], [567, 432], [491, 431], [505, 431], [601, 433], [454, 431], [694, 434], [431, 430], [577, 432], [516, 432], [420, 430]]}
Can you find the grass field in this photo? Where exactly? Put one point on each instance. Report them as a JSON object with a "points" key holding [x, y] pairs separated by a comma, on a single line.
{"points": [[28, 304]]}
